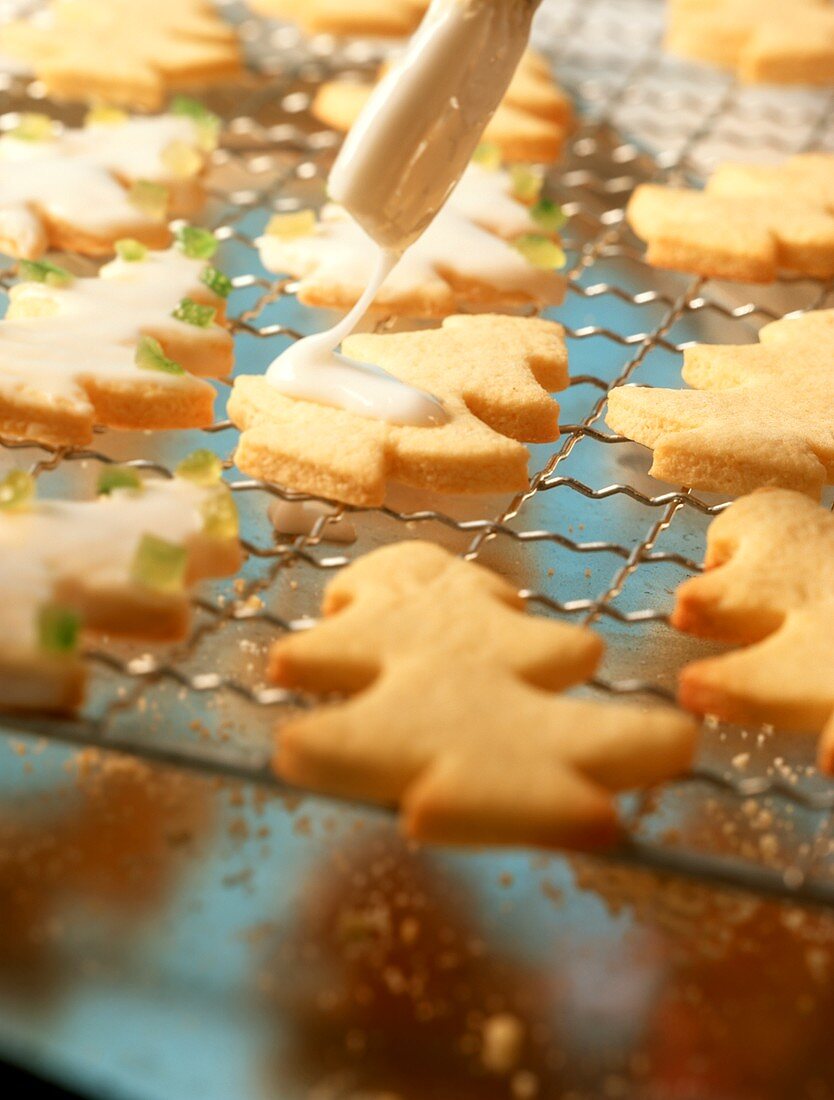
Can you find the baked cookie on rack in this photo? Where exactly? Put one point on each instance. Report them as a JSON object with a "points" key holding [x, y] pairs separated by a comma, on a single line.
{"points": [[769, 586], [371, 18], [454, 717], [118, 565], [124, 52], [485, 248], [531, 124], [758, 415], [124, 349], [748, 224], [80, 190], [494, 376], [757, 38]]}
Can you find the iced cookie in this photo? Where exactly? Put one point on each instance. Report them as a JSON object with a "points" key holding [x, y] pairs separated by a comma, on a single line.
{"points": [[757, 38], [749, 224], [374, 18], [530, 125], [453, 715], [118, 565], [485, 248], [130, 52], [759, 414], [80, 190], [769, 586], [494, 375], [122, 349]]}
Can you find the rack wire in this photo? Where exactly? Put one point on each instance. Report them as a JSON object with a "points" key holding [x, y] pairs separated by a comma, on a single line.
{"points": [[593, 539]]}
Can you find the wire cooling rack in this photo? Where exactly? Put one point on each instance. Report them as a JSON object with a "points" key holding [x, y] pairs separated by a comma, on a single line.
{"points": [[594, 539]]}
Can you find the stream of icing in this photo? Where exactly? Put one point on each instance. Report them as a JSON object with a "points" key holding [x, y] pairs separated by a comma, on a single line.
{"points": [[398, 166]]}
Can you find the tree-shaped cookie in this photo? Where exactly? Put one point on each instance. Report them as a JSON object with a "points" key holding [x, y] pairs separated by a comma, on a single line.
{"points": [[757, 38], [759, 415], [531, 123], [80, 190], [769, 586], [121, 51], [121, 349], [494, 375], [749, 223], [484, 248], [119, 565], [380, 18], [453, 715]]}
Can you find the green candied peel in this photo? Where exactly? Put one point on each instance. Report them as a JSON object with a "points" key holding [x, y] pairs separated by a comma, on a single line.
{"points": [[59, 628], [159, 565], [549, 215], [130, 250], [150, 198], [150, 356], [487, 155], [112, 478], [193, 313], [205, 122], [541, 252], [17, 491], [527, 183], [42, 271], [34, 127], [219, 512], [196, 243], [202, 467], [216, 281]]}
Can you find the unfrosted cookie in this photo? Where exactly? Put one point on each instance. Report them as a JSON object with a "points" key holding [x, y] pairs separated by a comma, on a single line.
{"points": [[479, 250], [763, 40], [376, 18], [130, 52], [749, 223], [118, 565], [494, 375], [760, 414], [769, 586], [121, 349], [453, 716], [80, 190], [530, 125]]}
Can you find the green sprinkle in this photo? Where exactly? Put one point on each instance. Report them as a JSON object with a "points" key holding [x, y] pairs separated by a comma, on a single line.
{"points": [[549, 215], [131, 251], [150, 356], [42, 271], [207, 124], [196, 243], [17, 491], [527, 184], [488, 155], [34, 127], [193, 313], [202, 467], [215, 280], [151, 198], [58, 629], [159, 565], [220, 519], [117, 477], [541, 252]]}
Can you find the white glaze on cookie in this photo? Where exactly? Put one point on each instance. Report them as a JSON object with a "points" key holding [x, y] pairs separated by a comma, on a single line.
{"points": [[56, 547]]}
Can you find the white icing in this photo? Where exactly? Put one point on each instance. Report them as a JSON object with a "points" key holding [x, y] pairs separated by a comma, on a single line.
{"points": [[97, 325], [72, 178], [299, 517], [57, 545], [460, 240]]}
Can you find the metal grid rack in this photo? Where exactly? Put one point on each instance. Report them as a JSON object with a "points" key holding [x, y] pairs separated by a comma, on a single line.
{"points": [[593, 539]]}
